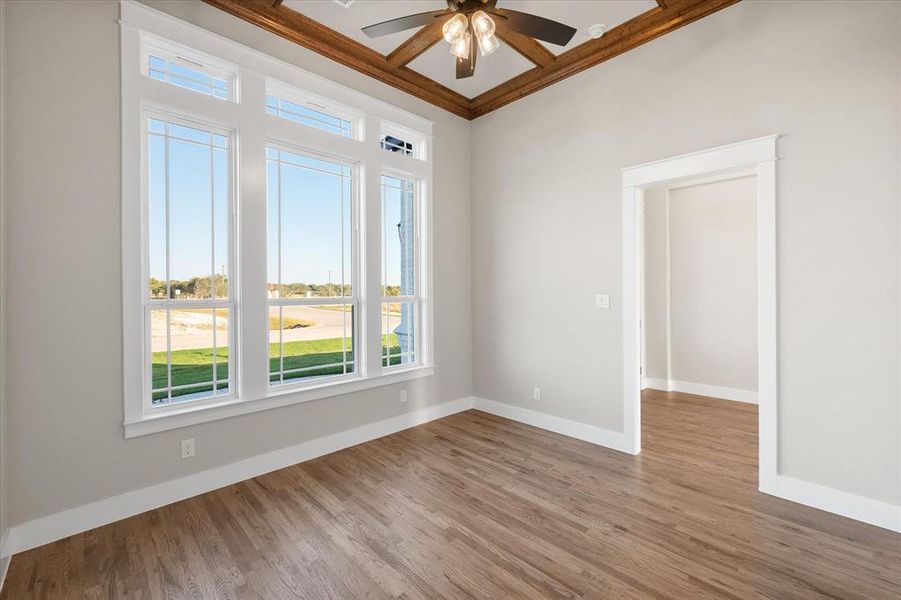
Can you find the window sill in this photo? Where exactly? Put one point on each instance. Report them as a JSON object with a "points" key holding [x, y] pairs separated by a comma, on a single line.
{"points": [[194, 415]]}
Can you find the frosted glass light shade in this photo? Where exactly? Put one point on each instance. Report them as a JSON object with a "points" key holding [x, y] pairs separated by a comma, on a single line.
{"points": [[455, 28], [482, 25], [460, 47], [487, 45]]}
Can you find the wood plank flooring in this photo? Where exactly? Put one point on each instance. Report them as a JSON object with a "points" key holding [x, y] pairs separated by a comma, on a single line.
{"points": [[475, 506]]}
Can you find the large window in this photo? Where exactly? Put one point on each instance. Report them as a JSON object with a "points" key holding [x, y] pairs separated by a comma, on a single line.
{"points": [[273, 251], [311, 266], [400, 271], [189, 312]]}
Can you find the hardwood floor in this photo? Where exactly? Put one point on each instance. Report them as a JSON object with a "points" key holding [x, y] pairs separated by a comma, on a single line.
{"points": [[475, 506]]}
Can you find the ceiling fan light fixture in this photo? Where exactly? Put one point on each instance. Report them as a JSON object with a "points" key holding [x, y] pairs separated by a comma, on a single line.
{"points": [[482, 25], [460, 46], [455, 27], [489, 44]]}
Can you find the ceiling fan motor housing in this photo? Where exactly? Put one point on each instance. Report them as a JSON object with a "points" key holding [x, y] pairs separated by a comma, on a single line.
{"points": [[469, 6]]}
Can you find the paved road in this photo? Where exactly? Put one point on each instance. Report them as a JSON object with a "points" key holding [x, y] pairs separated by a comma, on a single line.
{"points": [[195, 330]]}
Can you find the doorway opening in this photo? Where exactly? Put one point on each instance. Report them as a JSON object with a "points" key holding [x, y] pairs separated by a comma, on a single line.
{"points": [[753, 163], [698, 261]]}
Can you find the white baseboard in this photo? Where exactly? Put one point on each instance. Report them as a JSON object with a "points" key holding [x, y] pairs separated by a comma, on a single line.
{"points": [[702, 389], [76, 520], [4, 567], [846, 504], [5, 557], [588, 433]]}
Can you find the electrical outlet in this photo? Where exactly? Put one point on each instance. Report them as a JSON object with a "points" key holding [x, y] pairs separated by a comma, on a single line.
{"points": [[536, 393], [187, 448], [403, 396]]}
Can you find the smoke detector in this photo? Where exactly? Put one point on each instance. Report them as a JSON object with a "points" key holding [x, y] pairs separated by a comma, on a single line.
{"points": [[344, 3], [595, 31]]}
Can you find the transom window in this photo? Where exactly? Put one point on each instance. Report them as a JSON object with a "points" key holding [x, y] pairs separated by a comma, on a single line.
{"points": [[188, 303], [178, 73], [264, 263], [396, 144], [187, 68], [402, 140], [306, 115]]}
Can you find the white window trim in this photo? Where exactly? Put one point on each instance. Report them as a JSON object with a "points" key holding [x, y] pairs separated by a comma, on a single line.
{"points": [[315, 102], [421, 273], [356, 258], [189, 58], [247, 116], [147, 113], [420, 151]]}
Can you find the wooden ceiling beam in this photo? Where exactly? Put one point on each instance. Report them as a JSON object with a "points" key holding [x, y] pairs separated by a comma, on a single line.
{"points": [[311, 34], [631, 34], [529, 47], [273, 16], [421, 41]]}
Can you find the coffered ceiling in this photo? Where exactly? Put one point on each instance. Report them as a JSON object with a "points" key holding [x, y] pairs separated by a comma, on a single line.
{"points": [[419, 62]]}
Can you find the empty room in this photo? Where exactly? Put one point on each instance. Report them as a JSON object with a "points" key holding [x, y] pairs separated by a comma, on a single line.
{"points": [[338, 299]]}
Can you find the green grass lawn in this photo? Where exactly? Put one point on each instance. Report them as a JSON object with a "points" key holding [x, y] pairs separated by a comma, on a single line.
{"points": [[196, 366]]}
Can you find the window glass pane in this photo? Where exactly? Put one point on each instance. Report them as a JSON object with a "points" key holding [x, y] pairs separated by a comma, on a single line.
{"points": [[189, 345], [190, 216], [188, 77], [309, 203], [310, 341], [189, 212], [221, 220], [395, 144], [399, 341], [156, 192], [398, 237], [308, 116], [189, 199]]}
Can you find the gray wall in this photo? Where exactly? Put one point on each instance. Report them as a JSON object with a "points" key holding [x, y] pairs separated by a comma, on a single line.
{"points": [[64, 319], [655, 242], [547, 221], [712, 247], [4, 452]]}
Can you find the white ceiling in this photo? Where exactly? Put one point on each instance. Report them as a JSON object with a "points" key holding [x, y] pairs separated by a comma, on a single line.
{"points": [[437, 63]]}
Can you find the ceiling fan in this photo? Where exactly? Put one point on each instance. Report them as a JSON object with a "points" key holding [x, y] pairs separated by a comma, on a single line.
{"points": [[471, 23]]}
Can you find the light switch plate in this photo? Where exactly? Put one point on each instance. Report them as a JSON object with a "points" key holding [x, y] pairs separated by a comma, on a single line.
{"points": [[602, 300]]}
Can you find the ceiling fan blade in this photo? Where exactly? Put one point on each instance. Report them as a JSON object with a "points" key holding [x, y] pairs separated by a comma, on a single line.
{"points": [[536, 27], [403, 23], [466, 67]]}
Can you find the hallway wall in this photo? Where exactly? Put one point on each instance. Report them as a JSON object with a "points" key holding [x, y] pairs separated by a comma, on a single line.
{"points": [[703, 240]]}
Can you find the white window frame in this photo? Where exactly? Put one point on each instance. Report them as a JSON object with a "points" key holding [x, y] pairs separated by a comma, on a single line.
{"points": [[253, 130], [420, 273], [355, 258], [184, 56], [149, 112], [411, 136], [283, 91]]}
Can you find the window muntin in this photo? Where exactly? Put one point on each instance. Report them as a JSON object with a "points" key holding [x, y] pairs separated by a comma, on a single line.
{"points": [[401, 140], [309, 116], [188, 304], [400, 310], [395, 144], [187, 76], [311, 266]]}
